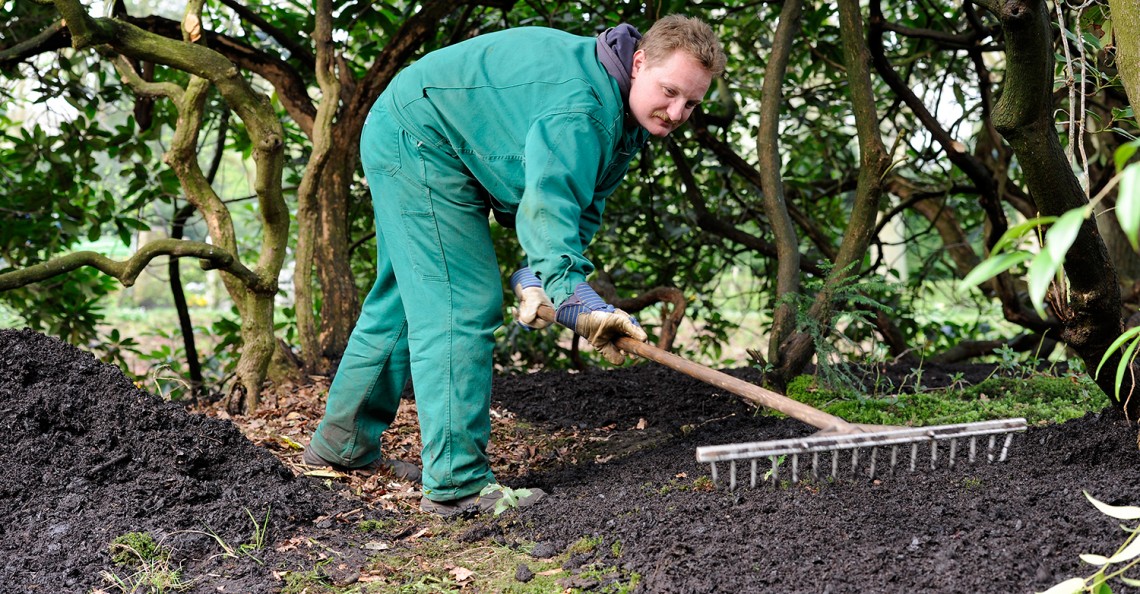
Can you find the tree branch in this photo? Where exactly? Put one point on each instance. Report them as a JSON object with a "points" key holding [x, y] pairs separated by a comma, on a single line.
{"points": [[212, 257]]}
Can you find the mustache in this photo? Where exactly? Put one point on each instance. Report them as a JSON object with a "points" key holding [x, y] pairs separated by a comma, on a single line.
{"points": [[664, 117]]}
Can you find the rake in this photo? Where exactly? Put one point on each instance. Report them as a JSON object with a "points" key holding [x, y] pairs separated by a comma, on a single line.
{"points": [[861, 442]]}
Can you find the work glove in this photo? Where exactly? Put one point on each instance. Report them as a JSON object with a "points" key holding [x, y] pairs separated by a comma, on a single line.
{"points": [[600, 323], [528, 289]]}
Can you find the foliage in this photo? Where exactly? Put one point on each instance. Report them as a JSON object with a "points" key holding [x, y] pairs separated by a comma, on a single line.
{"points": [[1123, 560], [509, 498], [134, 548], [150, 562], [1036, 398], [858, 299]]}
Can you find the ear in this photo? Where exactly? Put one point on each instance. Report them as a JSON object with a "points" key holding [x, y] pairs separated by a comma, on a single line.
{"points": [[638, 63]]}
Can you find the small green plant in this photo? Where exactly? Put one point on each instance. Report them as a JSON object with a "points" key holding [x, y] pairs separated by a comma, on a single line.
{"points": [[777, 462], [586, 544], [256, 542], [1112, 567], [260, 532], [134, 548], [971, 482], [615, 549], [510, 498], [373, 525], [703, 483], [150, 562]]}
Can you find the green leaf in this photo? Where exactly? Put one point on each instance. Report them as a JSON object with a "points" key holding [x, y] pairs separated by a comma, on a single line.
{"points": [[1019, 231], [1124, 152], [1128, 553], [1128, 203], [1120, 512], [1129, 581], [1126, 336], [1125, 363], [1091, 559], [993, 266], [1069, 586], [1041, 273], [1064, 232]]}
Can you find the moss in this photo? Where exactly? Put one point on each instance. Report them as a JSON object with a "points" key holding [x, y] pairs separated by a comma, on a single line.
{"points": [[136, 548]]}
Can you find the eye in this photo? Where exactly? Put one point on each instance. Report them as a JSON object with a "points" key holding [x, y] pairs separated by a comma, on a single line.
{"points": [[692, 104], [668, 91]]}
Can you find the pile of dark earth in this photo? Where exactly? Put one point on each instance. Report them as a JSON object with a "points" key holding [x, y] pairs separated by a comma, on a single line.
{"points": [[87, 457], [1017, 526]]}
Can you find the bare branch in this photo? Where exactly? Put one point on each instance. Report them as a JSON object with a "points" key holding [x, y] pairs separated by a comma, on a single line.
{"points": [[127, 271]]}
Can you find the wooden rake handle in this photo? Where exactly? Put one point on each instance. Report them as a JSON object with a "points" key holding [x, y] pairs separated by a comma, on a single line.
{"points": [[750, 392]]}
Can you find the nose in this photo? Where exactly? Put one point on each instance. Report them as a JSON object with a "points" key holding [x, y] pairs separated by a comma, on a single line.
{"points": [[676, 111]]}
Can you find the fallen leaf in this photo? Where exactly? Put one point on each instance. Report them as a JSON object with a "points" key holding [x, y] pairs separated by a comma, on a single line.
{"points": [[419, 534], [377, 546], [554, 571], [462, 574]]}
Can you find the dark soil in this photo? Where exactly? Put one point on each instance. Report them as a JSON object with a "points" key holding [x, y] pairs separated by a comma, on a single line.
{"points": [[86, 457]]}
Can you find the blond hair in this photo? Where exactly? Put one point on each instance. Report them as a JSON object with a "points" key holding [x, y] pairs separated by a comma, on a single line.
{"points": [[692, 35]]}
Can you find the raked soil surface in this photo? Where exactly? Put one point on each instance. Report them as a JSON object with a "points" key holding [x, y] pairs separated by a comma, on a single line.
{"points": [[85, 456]]}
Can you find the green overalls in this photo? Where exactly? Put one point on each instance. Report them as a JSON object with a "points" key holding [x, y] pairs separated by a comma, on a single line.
{"points": [[526, 121]]}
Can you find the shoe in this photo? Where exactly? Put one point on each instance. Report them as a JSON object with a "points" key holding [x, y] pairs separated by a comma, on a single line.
{"points": [[476, 504], [405, 471]]}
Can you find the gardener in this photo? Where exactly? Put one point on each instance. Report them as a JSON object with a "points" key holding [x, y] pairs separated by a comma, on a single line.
{"points": [[538, 126]]}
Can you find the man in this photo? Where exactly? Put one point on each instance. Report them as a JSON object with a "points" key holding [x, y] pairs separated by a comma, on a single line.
{"points": [[539, 126]]}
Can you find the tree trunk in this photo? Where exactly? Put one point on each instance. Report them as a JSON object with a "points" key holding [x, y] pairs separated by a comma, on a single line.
{"points": [[254, 290], [767, 145], [1126, 29], [1024, 117], [308, 214], [797, 351]]}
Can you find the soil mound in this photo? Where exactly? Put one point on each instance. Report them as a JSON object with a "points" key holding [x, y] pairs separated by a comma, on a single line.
{"points": [[88, 457], [1017, 526]]}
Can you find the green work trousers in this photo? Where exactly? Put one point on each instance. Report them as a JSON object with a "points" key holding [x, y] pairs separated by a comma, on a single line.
{"points": [[431, 314]]}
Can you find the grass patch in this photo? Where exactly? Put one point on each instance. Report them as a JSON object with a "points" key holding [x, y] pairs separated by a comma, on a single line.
{"points": [[1037, 398], [143, 565]]}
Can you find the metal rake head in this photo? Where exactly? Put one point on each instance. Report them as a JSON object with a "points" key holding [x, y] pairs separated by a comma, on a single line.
{"points": [[833, 445]]}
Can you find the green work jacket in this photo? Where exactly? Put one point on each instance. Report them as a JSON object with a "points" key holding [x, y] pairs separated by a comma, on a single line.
{"points": [[540, 124]]}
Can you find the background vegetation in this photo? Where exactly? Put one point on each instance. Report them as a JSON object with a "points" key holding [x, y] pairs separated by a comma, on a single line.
{"points": [[857, 161]]}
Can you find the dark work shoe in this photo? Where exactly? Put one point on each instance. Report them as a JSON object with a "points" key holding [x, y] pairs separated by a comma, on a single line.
{"points": [[478, 504], [405, 471]]}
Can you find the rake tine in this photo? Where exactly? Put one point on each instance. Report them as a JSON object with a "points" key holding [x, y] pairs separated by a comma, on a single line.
{"points": [[1005, 447], [836, 442]]}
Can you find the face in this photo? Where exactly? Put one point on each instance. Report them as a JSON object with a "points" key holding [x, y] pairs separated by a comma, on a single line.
{"points": [[662, 96]]}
